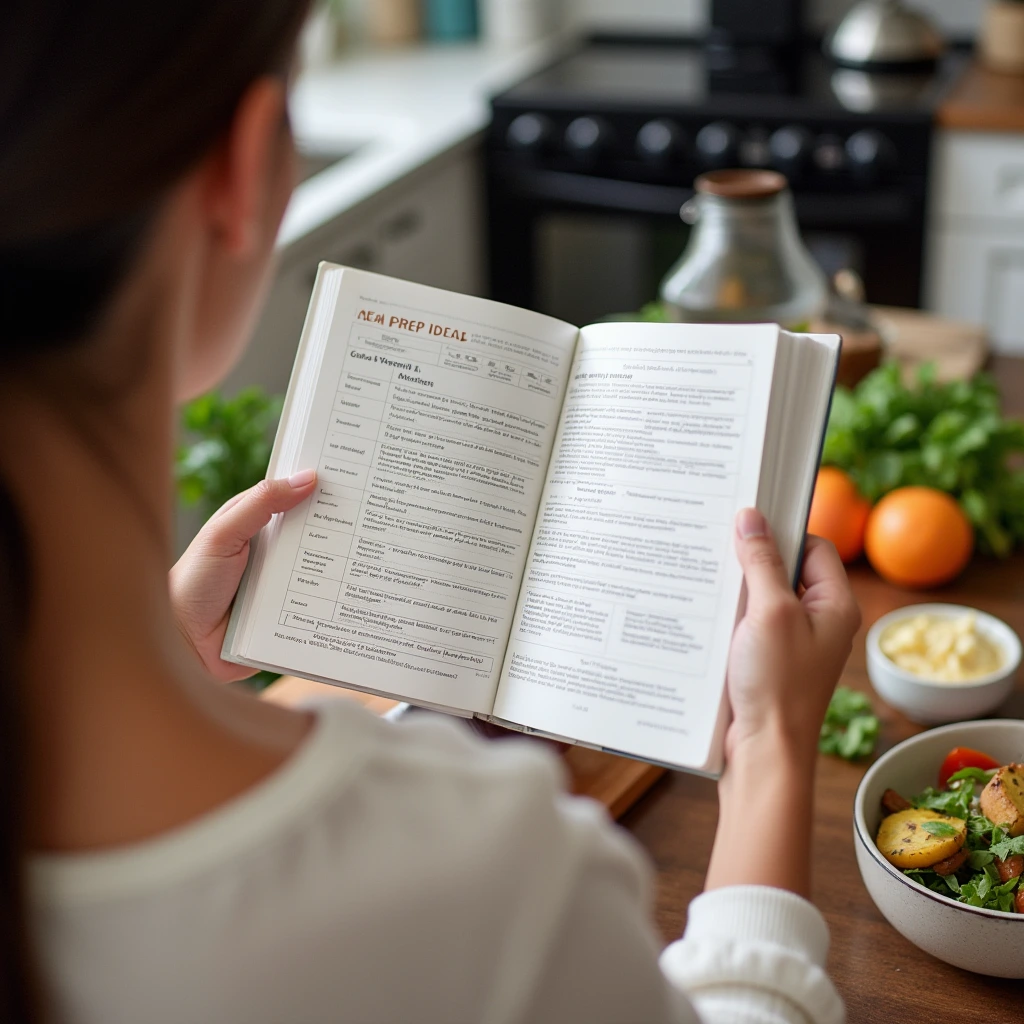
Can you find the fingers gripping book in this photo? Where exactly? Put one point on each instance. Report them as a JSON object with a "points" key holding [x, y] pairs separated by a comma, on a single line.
{"points": [[525, 521]]}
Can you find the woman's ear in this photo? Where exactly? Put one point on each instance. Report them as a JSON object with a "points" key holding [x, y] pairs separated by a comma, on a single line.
{"points": [[244, 171], [240, 193]]}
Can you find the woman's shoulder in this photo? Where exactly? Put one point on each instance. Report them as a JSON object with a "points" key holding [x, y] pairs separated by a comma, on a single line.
{"points": [[474, 803], [425, 790], [400, 870], [409, 851]]}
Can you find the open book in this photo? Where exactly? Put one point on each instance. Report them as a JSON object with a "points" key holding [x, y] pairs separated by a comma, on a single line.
{"points": [[524, 521]]}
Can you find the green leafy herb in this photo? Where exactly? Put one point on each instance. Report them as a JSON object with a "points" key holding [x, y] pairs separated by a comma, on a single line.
{"points": [[953, 802], [974, 774], [939, 829], [986, 891], [951, 436], [230, 442], [943, 884], [1007, 847], [850, 729], [979, 858], [654, 313], [979, 825]]}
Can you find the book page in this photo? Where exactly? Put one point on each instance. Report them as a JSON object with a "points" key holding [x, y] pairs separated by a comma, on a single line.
{"points": [[623, 624], [431, 428]]}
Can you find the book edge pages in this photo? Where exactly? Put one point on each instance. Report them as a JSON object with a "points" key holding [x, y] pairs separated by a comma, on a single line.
{"points": [[265, 666], [308, 356], [837, 351], [674, 766], [714, 766]]}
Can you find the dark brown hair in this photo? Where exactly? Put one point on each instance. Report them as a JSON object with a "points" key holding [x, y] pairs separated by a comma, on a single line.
{"points": [[104, 105]]}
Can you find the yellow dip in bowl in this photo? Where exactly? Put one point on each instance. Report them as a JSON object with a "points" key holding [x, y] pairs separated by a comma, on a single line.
{"points": [[942, 649]]}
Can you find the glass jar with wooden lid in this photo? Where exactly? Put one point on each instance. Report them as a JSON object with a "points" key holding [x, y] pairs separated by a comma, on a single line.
{"points": [[745, 261]]}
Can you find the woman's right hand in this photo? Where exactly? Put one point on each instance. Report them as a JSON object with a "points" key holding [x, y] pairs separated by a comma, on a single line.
{"points": [[788, 651], [787, 654]]}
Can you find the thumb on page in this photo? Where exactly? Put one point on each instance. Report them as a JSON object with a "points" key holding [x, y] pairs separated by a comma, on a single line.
{"points": [[236, 522]]}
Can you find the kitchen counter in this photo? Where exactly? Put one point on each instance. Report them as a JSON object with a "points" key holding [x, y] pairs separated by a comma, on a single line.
{"points": [[390, 113], [984, 101]]}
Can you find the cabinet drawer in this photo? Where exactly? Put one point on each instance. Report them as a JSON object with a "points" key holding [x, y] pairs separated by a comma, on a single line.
{"points": [[979, 175]]}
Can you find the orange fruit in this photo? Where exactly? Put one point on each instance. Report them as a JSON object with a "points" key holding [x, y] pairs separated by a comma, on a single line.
{"points": [[918, 537], [838, 512]]}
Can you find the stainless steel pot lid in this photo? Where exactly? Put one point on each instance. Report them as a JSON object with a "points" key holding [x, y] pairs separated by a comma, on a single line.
{"points": [[885, 34]]}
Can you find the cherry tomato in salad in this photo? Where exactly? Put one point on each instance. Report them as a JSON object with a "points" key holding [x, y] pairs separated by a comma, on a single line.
{"points": [[964, 757]]}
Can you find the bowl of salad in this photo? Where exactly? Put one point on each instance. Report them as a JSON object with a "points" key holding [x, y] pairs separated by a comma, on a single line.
{"points": [[938, 830]]}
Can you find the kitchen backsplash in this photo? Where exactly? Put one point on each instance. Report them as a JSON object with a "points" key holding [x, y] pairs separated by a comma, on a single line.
{"points": [[959, 18]]}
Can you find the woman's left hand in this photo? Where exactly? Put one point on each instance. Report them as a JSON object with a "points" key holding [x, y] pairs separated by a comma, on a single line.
{"points": [[204, 580]]}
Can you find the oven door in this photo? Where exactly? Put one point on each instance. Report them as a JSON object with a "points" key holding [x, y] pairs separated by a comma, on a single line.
{"points": [[581, 248]]}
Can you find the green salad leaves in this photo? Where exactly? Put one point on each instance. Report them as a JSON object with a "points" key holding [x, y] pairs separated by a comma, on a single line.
{"points": [[951, 436], [850, 729], [1003, 846], [939, 829], [985, 842]]}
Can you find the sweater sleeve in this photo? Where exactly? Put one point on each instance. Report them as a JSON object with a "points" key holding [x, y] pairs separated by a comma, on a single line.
{"points": [[600, 964], [754, 955], [750, 955]]}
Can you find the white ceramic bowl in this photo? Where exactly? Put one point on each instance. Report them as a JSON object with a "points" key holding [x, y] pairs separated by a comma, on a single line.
{"points": [[983, 941], [929, 702]]}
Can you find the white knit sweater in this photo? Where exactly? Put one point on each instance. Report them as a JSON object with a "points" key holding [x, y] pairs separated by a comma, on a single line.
{"points": [[410, 873]]}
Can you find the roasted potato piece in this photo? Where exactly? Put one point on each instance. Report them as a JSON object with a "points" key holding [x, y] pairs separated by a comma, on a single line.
{"points": [[905, 844], [1002, 800], [893, 802], [951, 865], [1010, 868], [1018, 901]]}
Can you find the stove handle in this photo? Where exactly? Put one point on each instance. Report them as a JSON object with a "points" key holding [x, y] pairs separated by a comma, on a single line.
{"points": [[565, 190]]}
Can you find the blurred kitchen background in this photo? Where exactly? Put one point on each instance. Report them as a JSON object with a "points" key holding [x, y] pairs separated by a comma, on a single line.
{"points": [[540, 152]]}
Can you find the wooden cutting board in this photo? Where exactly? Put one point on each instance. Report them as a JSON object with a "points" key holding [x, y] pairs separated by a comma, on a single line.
{"points": [[616, 782], [958, 349], [911, 337]]}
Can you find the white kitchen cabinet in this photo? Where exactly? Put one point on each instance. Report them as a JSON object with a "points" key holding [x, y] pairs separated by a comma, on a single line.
{"points": [[426, 228], [976, 234], [978, 276], [434, 234]]}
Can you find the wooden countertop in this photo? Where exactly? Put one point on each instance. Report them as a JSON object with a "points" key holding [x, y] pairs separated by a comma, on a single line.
{"points": [[882, 977], [984, 101]]}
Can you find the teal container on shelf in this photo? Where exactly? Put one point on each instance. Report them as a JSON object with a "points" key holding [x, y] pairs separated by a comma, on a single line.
{"points": [[451, 20]]}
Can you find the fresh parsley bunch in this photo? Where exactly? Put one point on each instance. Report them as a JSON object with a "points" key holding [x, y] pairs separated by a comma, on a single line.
{"points": [[850, 729], [952, 436]]}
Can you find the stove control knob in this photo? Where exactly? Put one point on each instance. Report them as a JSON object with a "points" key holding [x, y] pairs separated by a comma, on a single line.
{"points": [[718, 144], [586, 138], [790, 149], [659, 141], [829, 154], [870, 154], [530, 133]]}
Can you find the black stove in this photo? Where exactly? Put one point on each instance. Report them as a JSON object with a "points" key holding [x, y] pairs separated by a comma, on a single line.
{"points": [[624, 127], [690, 75]]}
